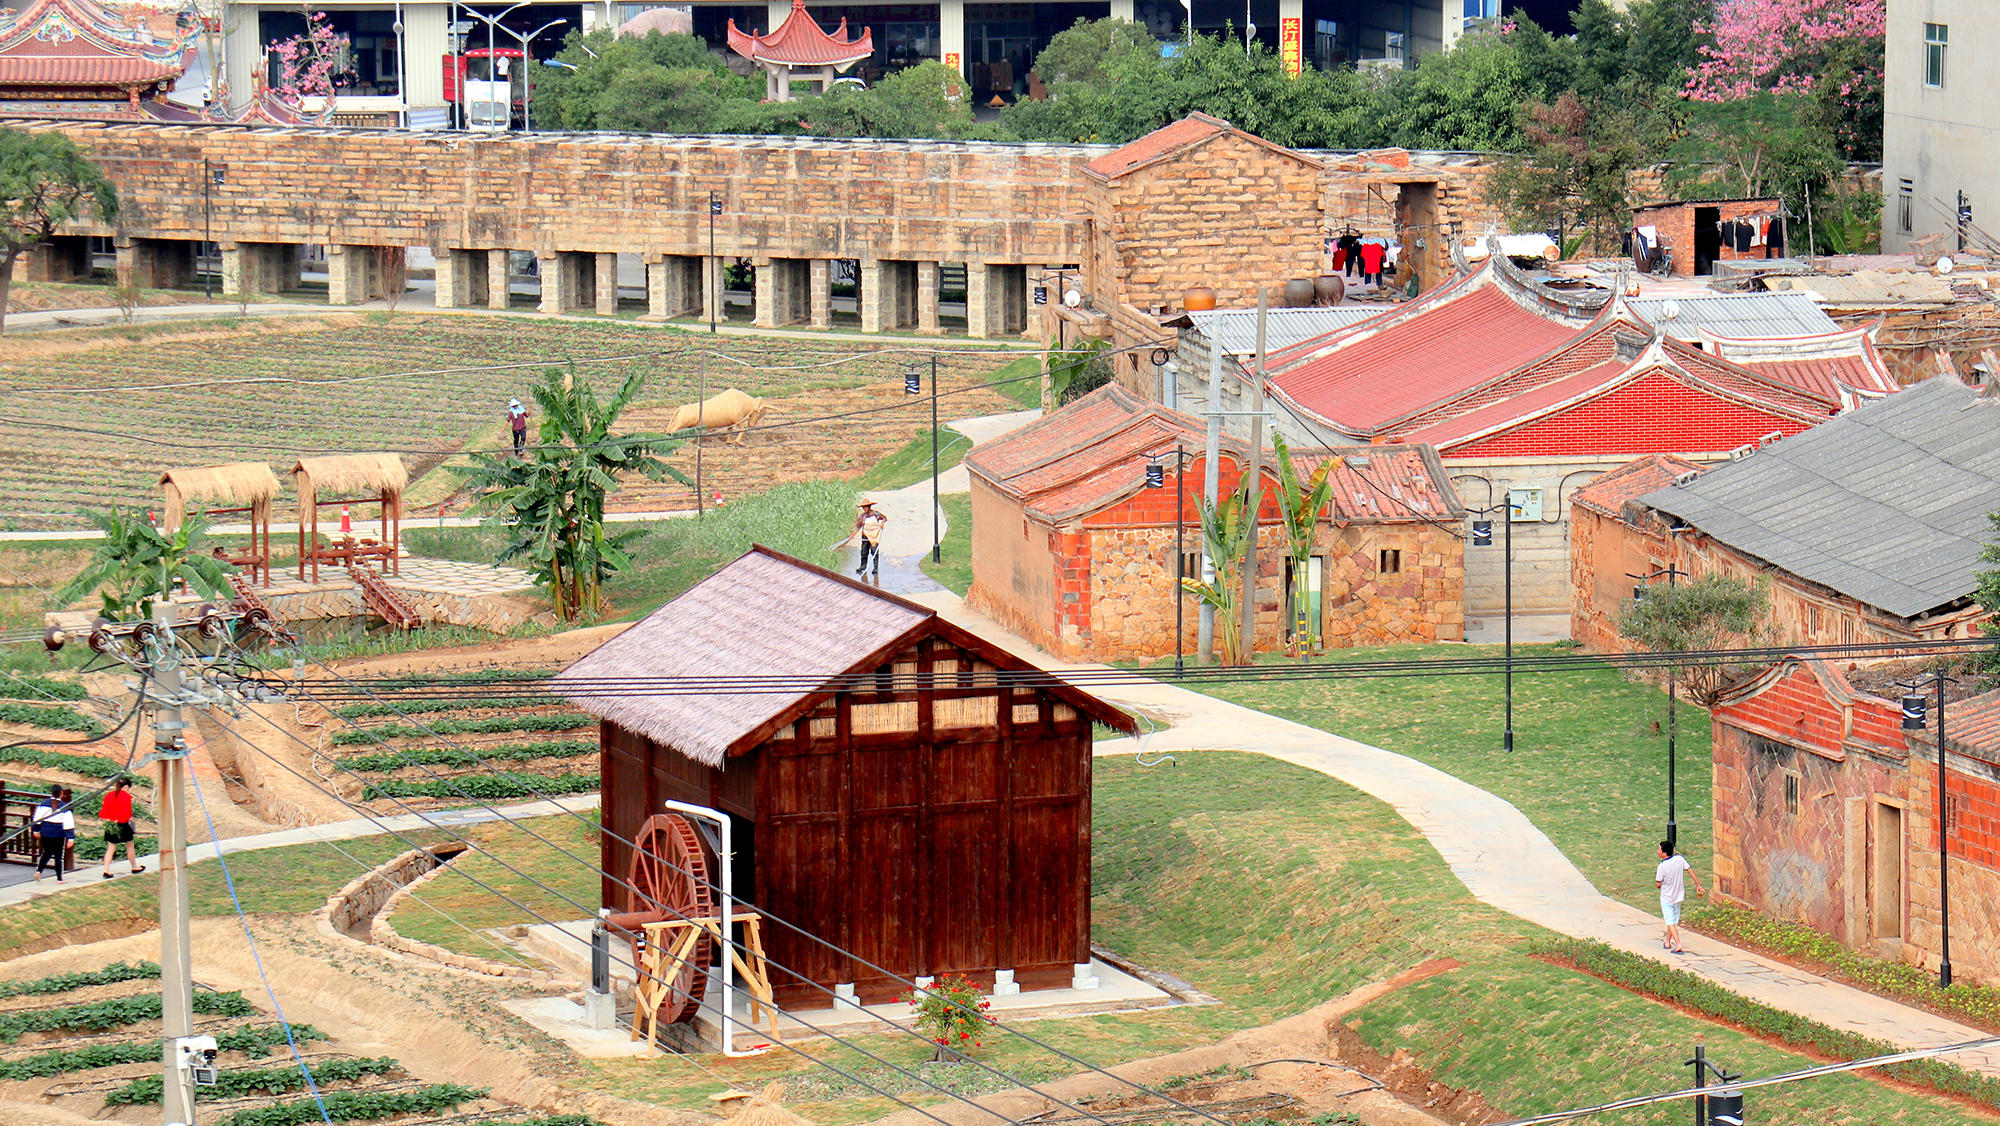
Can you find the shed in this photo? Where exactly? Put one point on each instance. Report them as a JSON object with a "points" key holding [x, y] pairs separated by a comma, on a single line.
{"points": [[245, 487], [888, 775], [1702, 232], [347, 478]]}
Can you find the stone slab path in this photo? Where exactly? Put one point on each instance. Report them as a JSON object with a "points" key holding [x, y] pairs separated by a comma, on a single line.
{"points": [[1492, 848]]}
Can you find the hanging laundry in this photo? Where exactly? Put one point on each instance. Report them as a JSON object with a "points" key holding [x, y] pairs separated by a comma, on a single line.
{"points": [[1775, 239], [1742, 238]]}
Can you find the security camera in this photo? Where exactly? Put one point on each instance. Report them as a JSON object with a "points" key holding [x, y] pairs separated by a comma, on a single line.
{"points": [[196, 1055]]}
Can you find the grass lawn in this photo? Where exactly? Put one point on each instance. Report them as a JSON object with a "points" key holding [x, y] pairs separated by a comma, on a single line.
{"points": [[454, 903], [1013, 380], [912, 463], [1276, 888], [955, 572], [1588, 769]]}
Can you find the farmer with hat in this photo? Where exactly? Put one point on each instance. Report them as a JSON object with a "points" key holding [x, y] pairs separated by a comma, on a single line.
{"points": [[868, 524], [517, 417]]}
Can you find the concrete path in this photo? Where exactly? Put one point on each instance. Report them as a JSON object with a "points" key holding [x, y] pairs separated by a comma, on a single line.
{"points": [[92, 873], [1492, 848]]}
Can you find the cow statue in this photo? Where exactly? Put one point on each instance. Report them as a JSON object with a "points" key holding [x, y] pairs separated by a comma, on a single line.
{"points": [[731, 410]]}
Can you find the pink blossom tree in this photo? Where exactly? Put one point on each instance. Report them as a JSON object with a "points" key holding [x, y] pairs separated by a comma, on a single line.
{"points": [[1829, 48], [309, 65]]}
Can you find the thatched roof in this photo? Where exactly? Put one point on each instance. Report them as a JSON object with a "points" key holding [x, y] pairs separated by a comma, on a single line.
{"points": [[349, 473], [766, 614], [239, 485]]}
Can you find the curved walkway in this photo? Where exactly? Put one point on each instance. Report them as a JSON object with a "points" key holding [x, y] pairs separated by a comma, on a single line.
{"points": [[1493, 849]]}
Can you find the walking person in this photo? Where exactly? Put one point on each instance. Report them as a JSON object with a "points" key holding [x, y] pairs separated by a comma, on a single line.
{"points": [[116, 813], [1671, 878], [868, 524], [53, 824], [517, 418]]}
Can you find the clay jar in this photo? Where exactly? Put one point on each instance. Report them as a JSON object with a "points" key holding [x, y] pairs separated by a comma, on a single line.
{"points": [[1199, 299], [1299, 293], [1329, 289]]}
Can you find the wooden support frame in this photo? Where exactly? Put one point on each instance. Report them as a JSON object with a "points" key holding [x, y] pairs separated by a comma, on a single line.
{"points": [[671, 944]]}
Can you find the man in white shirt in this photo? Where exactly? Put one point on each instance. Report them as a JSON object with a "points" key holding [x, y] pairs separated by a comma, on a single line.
{"points": [[1670, 877]]}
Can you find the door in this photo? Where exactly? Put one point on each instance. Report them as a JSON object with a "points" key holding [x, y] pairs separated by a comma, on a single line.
{"points": [[1707, 240], [1886, 873]]}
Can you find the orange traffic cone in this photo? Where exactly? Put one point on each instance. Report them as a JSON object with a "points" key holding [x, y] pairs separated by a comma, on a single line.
{"points": [[346, 521]]}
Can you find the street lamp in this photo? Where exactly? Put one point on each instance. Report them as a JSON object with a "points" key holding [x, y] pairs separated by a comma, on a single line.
{"points": [[211, 178], [1672, 574], [527, 75], [1482, 536], [1156, 479], [1913, 720], [913, 384]]}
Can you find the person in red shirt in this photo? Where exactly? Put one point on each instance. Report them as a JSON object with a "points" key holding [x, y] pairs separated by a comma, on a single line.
{"points": [[116, 813]]}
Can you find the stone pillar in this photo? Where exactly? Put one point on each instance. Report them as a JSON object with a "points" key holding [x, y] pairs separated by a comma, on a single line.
{"points": [[927, 300], [978, 300], [499, 278], [59, 259], [819, 279], [561, 290], [606, 269], [764, 285], [888, 295], [673, 286], [156, 263], [353, 275], [782, 292], [261, 267], [464, 278], [233, 270], [711, 290], [996, 300], [868, 296], [1018, 292]]}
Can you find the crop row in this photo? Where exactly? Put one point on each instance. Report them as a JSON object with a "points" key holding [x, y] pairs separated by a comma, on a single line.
{"points": [[556, 721], [17, 687], [239, 1082], [51, 717], [467, 703], [255, 1041], [97, 1016], [452, 756], [357, 1106], [63, 983], [484, 787], [90, 766]]}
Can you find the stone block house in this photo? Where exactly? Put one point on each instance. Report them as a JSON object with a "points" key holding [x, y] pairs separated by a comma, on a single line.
{"points": [[1071, 550], [1868, 528], [1826, 814]]}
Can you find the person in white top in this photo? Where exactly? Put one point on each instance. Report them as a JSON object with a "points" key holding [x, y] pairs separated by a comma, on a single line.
{"points": [[54, 825], [1670, 877]]}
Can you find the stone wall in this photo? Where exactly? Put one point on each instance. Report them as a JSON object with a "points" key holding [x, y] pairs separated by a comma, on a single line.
{"points": [[367, 902]]}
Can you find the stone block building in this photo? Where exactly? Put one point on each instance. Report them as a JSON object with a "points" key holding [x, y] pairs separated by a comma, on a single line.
{"points": [[1072, 550], [1826, 814]]}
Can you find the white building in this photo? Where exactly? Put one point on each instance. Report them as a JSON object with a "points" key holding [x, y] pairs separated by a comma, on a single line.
{"points": [[1941, 118]]}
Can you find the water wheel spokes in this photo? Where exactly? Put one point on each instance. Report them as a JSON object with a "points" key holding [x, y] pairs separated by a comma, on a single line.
{"points": [[670, 881]]}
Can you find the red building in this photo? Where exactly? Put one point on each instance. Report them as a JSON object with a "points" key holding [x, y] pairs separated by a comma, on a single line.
{"points": [[1826, 815]]}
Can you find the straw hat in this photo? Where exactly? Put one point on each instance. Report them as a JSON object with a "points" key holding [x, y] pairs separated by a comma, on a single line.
{"points": [[865, 504]]}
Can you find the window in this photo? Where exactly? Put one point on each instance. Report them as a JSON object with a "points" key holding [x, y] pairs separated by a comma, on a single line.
{"points": [[1906, 193], [1791, 793], [1936, 37], [1389, 561], [1191, 565]]}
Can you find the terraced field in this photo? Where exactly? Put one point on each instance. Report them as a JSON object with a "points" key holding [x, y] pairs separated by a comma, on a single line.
{"points": [[91, 418]]}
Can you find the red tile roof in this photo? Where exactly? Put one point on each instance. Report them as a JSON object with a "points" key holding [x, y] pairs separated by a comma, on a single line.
{"points": [[1399, 370], [1087, 455], [800, 41], [1607, 494], [1840, 368], [1383, 483], [71, 44], [1168, 141], [1972, 727]]}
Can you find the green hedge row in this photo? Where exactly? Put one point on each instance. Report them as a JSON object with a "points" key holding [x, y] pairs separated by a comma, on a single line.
{"points": [[484, 787], [452, 756], [255, 1041], [1678, 987], [52, 717], [558, 721]]}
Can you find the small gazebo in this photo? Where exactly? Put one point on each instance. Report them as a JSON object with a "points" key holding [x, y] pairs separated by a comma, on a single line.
{"points": [[349, 479], [244, 488], [801, 48]]}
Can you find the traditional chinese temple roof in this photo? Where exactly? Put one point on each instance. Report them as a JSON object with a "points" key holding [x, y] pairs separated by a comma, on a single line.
{"points": [[69, 49], [800, 42]]}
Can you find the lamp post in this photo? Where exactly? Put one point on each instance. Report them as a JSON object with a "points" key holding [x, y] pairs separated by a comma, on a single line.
{"points": [[913, 385], [211, 177], [1154, 474], [493, 62], [714, 294], [1672, 574], [1482, 536], [1913, 720]]}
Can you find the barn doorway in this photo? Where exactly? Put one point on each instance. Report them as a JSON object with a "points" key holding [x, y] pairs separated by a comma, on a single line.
{"points": [[1707, 239]]}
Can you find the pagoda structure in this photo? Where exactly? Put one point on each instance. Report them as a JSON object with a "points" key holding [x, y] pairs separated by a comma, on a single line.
{"points": [[799, 48], [66, 56]]}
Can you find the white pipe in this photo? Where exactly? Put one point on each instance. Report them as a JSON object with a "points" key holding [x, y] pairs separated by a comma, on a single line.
{"points": [[728, 903]]}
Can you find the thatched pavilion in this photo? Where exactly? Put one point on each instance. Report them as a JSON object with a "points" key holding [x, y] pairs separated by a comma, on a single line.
{"points": [[243, 488], [349, 479]]}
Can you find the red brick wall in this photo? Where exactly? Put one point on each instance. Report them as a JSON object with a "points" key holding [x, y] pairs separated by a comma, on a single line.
{"points": [[1676, 227], [1653, 414]]}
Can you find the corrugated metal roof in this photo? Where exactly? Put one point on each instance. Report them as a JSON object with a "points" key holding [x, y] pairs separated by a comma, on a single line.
{"points": [[1761, 315], [1886, 503], [1283, 328]]}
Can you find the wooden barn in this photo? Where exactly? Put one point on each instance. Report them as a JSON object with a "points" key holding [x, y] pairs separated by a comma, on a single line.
{"points": [[940, 824]]}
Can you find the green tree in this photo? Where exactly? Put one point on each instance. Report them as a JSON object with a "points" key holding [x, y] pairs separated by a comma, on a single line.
{"points": [[553, 498], [926, 100], [1763, 145], [1077, 370], [639, 83], [137, 563], [1467, 98], [1088, 51], [1226, 534], [1988, 595], [1300, 502], [1711, 612], [1575, 163], [45, 182]]}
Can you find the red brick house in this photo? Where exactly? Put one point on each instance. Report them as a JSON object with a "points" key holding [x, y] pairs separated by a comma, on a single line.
{"points": [[1826, 815], [1072, 551], [1702, 232]]}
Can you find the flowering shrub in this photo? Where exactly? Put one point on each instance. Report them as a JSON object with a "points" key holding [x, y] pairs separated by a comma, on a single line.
{"points": [[952, 1013]]}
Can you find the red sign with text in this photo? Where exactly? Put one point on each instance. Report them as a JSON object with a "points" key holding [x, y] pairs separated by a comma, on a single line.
{"points": [[1289, 50]]}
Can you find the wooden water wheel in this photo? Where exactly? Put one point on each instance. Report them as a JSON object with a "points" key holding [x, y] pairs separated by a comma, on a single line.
{"points": [[669, 880]]}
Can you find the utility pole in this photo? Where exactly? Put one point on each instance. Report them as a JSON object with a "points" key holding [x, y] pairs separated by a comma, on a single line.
{"points": [[937, 529], [701, 415], [1204, 645], [1253, 477], [176, 970]]}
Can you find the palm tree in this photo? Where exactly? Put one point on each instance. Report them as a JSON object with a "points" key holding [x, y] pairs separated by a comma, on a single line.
{"points": [[138, 562], [1226, 528], [553, 498], [1300, 503]]}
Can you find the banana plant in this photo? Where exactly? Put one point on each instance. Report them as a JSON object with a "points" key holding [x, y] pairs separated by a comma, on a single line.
{"points": [[1226, 530], [1300, 503], [138, 563]]}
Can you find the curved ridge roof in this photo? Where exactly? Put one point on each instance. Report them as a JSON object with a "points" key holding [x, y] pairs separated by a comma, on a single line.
{"points": [[67, 44], [800, 41]]}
